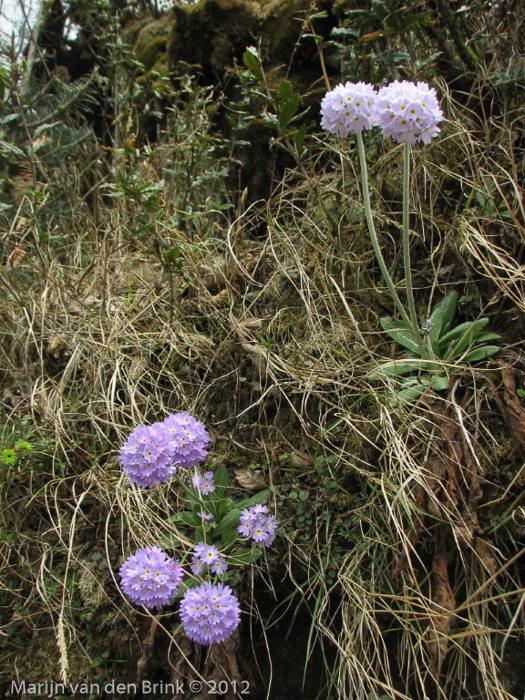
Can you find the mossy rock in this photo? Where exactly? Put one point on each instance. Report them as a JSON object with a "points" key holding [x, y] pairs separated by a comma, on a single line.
{"points": [[281, 28], [150, 46], [212, 33], [131, 29]]}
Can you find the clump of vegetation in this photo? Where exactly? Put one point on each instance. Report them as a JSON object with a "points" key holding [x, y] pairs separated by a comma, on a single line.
{"points": [[144, 274]]}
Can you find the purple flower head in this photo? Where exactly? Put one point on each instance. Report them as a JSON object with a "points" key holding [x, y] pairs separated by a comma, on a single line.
{"points": [[257, 524], [219, 567], [207, 517], [207, 555], [149, 577], [188, 438], [408, 112], [209, 613], [348, 108], [203, 482], [147, 455]]}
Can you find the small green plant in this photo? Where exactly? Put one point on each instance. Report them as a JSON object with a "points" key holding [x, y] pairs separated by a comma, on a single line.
{"points": [[10, 456], [282, 106], [446, 349], [214, 517], [209, 611]]}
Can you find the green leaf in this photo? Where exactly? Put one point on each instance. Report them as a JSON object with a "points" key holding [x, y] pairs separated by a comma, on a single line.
{"points": [[288, 111], [458, 331], [487, 336], [270, 119], [187, 517], [396, 368], [401, 333], [230, 535], [468, 338], [299, 138], [440, 383], [226, 523], [220, 479], [441, 317], [232, 517], [13, 150], [284, 91], [192, 497], [412, 388], [481, 353], [260, 497], [250, 58], [411, 393], [246, 556]]}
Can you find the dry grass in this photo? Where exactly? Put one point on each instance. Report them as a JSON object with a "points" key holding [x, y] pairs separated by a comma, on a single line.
{"points": [[270, 341]]}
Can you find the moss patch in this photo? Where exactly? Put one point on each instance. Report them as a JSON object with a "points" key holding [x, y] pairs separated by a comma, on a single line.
{"points": [[212, 33], [150, 46]]}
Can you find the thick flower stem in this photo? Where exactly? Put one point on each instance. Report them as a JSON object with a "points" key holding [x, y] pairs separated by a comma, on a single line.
{"points": [[406, 246], [372, 231]]}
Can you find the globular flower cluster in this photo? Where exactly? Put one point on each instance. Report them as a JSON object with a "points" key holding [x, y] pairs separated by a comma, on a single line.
{"points": [[209, 613], [189, 439], [203, 482], [408, 112], [206, 555], [405, 111], [153, 453], [258, 524], [348, 108], [149, 577], [147, 455]]}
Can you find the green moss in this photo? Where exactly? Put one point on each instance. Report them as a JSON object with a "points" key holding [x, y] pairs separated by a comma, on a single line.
{"points": [[212, 33], [8, 458], [150, 46], [131, 30], [152, 52], [281, 28]]}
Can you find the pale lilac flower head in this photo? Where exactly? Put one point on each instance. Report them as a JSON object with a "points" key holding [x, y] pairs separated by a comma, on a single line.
{"points": [[207, 517], [203, 482], [408, 112], [149, 577], [206, 555], [257, 524], [348, 108], [147, 455], [188, 439], [209, 613]]}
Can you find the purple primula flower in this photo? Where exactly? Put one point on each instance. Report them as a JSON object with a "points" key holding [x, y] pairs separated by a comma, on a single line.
{"points": [[149, 577], [408, 112], [147, 455], [188, 439], [257, 524], [348, 108], [207, 555], [219, 567], [203, 482], [208, 517], [209, 613]]}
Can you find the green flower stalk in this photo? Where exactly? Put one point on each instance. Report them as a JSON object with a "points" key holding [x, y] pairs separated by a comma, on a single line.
{"points": [[377, 248], [406, 242]]}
